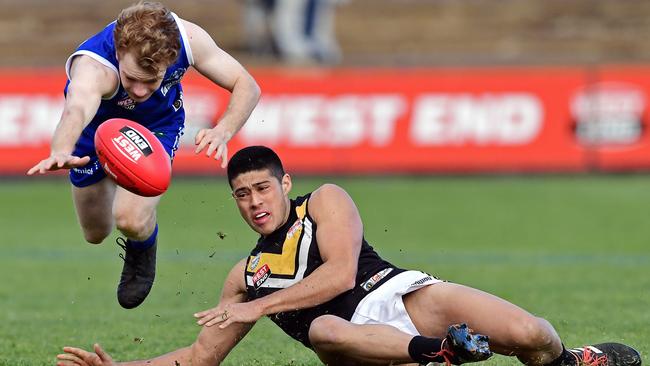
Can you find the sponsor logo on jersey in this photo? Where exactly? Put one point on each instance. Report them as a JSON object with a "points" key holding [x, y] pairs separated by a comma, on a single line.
{"points": [[255, 261], [372, 281], [172, 80], [178, 104], [261, 276], [126, 103], [132, 144], [294, 228]]}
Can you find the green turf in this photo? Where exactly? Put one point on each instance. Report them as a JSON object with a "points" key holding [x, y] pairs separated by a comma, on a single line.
{"points": [[574, 250]]}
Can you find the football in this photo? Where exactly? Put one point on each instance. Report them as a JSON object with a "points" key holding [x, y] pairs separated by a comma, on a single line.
{"points": [[133, 157]]}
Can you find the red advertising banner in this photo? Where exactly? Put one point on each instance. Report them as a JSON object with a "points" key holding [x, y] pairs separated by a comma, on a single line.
{"points": [[366, 121]]}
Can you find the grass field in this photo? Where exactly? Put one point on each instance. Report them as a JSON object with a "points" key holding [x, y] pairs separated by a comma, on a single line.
{"points": [[575, 250]]}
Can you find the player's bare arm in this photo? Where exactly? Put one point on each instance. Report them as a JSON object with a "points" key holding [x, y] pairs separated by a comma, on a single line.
{"points": [[89, 82], [222, 69], [234, 291], [339, 240], [211, 346]]}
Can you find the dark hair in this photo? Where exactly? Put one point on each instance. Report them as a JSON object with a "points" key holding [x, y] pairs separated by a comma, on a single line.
{"points": [[253, 158]]}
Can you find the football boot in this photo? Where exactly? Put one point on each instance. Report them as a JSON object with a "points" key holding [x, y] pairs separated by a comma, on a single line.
{"points": [[138, 274], [461, 346], [606, 354]]}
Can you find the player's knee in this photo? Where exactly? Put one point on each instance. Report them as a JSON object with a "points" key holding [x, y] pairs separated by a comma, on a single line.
{"points": [[325, 332], [535, 333], [94, 239], [132, 225], [96, 236]]}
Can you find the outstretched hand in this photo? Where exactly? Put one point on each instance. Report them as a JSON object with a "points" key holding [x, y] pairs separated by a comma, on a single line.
{"points": [[224, 315], [215, 140], [58, 161], [79, 357]]}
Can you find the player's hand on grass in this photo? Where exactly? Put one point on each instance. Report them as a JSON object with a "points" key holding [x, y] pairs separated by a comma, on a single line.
{"points": [[79, 357], [215, 140], [224, 315], [58, 161]]}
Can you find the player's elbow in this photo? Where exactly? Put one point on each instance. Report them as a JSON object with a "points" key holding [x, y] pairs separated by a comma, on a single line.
{"points": [[347, 279], [255, 90], [203, 355], [349, 285], [351, 281], [245, 83]]}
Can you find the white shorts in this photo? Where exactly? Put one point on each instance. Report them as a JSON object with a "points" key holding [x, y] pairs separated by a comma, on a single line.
{"points": [[385, 305]]}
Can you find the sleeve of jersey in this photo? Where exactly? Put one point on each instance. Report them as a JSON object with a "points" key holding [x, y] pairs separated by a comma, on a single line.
{"points": [[100, 47], [185, 59]]}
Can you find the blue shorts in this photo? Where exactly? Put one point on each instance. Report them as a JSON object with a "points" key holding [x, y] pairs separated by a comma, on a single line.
{"points": [[92, 172]]}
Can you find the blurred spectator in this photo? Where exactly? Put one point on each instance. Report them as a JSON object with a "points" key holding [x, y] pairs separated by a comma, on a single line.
{"points": [[297, 31], [257, 27]]}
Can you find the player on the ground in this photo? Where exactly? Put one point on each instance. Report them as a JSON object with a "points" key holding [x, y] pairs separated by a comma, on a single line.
{"points": [[316, 277], [132, 69]]}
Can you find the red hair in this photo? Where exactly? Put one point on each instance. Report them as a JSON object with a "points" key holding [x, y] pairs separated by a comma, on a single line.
{"points": [[149, 31]]}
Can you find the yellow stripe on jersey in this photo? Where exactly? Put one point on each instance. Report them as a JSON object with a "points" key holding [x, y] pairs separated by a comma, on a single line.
{"points": [[301, 210], [285, 263]]}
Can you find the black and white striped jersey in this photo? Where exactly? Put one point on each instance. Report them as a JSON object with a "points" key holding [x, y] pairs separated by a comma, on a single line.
{"points": [[290, 254]]}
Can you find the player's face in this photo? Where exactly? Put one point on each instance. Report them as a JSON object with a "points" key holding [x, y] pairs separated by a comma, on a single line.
{"points": [[263, 201], [138, 82]]}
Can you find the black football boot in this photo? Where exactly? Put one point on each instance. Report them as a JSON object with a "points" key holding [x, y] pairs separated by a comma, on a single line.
{"points": [[138, 274], [606, 354]]}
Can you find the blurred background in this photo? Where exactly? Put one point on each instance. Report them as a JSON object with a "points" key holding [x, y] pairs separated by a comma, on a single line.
{"points": [[489, 142], [368, 32], [430, 86]]}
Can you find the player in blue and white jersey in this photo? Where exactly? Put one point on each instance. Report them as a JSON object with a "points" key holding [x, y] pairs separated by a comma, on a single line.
{"points": [[132, 69]]}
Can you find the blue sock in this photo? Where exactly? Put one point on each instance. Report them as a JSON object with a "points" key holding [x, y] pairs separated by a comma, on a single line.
{"points": [[145, 244]]}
